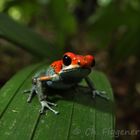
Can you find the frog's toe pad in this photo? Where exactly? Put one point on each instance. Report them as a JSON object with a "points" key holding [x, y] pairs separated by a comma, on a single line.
{"points": [[28, 100], [50, 103], [26, 91]]}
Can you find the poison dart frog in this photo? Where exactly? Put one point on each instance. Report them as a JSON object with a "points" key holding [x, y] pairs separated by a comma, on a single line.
{"points": [[63, 74]]}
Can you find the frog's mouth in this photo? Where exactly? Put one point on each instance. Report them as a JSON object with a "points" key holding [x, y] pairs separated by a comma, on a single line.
{"points": [[74, 72]]}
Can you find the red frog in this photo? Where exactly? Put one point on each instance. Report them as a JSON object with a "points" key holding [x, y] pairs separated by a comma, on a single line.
{"points": [[63, 74]]}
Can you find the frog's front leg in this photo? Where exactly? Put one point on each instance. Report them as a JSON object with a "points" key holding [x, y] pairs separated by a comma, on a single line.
{"points": [[94, 91], [42, 98], [32, 91]]}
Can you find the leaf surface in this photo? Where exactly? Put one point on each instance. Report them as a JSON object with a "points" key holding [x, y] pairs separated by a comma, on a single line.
{"points": [[81, 117]]}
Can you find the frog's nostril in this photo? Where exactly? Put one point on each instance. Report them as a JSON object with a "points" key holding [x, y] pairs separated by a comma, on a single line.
{"points": [[79, 62]]}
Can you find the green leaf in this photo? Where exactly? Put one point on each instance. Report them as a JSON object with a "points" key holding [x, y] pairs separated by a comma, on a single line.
{"points": [[26, 38], [80, 116]]}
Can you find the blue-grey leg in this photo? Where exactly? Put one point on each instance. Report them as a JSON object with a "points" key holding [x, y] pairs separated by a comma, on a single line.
{"points": [[42, 98], [31, 93], [94, 91]]}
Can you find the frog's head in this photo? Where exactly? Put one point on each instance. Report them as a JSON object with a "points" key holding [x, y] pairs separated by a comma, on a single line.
{"points": [[76, 66]]}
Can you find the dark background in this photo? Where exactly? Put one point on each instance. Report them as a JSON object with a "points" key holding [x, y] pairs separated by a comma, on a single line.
{"points": [[108, 29]]}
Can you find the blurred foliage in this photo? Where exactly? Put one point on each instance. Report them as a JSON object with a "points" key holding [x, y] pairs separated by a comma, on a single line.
{"points": [[119, 21], [108, 24], [11, 60], [108, 28], [26, 39]]}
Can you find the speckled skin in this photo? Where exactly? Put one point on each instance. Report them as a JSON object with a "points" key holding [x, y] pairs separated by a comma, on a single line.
{"points": [[63, 74], [80, 67]]}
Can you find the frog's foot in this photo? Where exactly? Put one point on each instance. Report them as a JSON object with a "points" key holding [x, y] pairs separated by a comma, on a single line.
{"points": [[100, 93], [45, 104]]}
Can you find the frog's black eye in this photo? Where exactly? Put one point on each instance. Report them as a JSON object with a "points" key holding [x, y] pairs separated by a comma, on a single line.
{"points": [[93, 63], [66, 60]]}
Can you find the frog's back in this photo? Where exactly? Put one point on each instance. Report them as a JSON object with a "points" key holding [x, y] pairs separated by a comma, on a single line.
{"points": [[57, 81], [51, 70]]}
